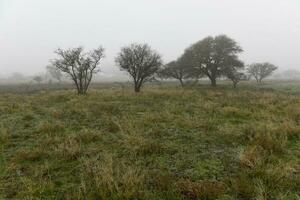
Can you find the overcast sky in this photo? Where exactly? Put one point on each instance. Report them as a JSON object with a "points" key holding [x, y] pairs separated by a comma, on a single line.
{"points": [[30, 30]]}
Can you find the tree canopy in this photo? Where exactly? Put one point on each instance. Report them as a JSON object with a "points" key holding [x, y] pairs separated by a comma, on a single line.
{"points": [[212, 56], [261, 70], [175, 70], [140, 62], [79, 66]]}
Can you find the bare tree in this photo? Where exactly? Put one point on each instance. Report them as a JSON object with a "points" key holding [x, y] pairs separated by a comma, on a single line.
{"points": [[211, 56], [79, 66], [54, 72], [261, 70], [140, 62]]}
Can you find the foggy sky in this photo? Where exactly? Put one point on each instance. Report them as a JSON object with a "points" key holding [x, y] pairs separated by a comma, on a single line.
{"points": [[30, 30]]}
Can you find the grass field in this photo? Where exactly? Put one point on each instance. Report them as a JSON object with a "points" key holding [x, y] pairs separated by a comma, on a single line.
{"points": [[165, 143]]}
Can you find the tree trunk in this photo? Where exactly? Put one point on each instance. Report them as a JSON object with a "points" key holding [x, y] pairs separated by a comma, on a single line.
{"points": [[234, 84], [81, 91], [213, 82], [257, 80], [181, 82], [137, 87]]}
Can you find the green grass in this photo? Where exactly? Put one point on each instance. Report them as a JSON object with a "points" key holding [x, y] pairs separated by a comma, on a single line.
{"points": [[291, 87], [165, 143]]}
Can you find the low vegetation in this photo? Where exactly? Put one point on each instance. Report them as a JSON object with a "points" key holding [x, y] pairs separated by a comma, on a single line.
{"points": [[164, 143]]}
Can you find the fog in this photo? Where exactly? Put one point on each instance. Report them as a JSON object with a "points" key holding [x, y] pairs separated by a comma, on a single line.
{"points": [[31, 30]]}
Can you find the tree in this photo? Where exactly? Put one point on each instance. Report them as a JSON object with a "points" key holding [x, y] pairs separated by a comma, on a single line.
{"points": [[38, 79], [212, 56], [79, 66], [261, 70], [175, 71], [236, 76], [233, 71], [54, 72], [140, 62]]}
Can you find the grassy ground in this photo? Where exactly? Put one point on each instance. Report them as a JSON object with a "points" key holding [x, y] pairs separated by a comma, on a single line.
{"points": [[165, 143], [286, 86]]}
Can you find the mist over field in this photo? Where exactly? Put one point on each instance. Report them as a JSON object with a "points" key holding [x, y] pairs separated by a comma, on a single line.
{"points": [[150, 100], [31, 30]]}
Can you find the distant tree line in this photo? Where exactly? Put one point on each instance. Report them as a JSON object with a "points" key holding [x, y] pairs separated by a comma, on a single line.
{"points": [[211, 58]]}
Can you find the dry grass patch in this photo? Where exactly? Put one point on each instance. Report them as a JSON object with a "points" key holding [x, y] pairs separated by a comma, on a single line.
{"points": [[252, 156], [50, 128], [69, 149], [291, 129], [86, 136], [5, 135], [141, 146], [30, 154], [230, 110], [110, 179], [269, 138], [200, 189]]}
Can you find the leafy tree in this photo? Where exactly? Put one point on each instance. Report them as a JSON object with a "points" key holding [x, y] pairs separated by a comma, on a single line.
{"points": [[54, 72], [212, 56], [140, 62], [261, 70], [79, 66], [176, 71]]}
